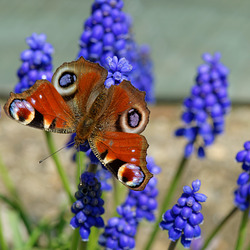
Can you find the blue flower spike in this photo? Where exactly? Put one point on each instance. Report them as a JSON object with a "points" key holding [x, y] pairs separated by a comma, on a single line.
{"points": [[108, 34], [89, 206], [206, 107], [183, 219], [36, 62], [242, 193]]}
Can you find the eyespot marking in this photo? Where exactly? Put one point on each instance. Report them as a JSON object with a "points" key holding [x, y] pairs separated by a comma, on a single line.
{"points": [[67, 79], [131, 175], [22, 111], [134, 118]]}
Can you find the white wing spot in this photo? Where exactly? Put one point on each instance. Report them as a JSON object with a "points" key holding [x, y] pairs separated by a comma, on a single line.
{"points": [[33, 101]]}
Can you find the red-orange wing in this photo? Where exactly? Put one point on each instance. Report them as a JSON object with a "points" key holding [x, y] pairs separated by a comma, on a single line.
{"points": [[124, 154], [58, 107], [41, 107]]}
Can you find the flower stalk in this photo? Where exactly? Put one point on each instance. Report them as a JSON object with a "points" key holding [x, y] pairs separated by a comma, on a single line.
{"points": [[167, 200], [242, 229], [173, 244], [59, 167], [219, 227]]}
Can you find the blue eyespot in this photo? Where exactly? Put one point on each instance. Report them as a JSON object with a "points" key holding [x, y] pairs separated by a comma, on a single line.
{"points": [[67, 79], [134, 118]]}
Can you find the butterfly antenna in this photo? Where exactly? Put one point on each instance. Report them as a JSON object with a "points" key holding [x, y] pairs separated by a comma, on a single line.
{"points": [[41, 161]]}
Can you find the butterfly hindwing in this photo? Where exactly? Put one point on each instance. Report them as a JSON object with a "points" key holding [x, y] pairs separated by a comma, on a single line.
{"points": [[124, 154]]}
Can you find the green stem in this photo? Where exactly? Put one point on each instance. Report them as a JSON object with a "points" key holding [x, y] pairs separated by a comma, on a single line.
{"points": [[172, 245], [220, 225], [93, 238], [75, 239], [80, 158], [3, 244], [15, 229], [116, 196], [92, 168], [59, 167], [242, 230], [83, 245], [167, 200]]}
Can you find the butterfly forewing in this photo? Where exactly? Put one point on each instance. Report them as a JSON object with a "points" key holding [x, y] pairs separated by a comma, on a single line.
{"points": [[42, 107]]}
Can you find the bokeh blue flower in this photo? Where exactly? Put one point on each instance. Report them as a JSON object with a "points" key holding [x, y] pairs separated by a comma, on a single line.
{"points": [[183, 219], [89, 206], [36, 62], [242, 193], [206, 107]]}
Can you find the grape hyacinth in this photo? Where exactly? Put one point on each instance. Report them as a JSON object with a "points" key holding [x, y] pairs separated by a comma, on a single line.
{"points": [[89, 206], [184, 218], [206, 107], [107, 33], [36, 62], [242, 193], [119, 232]]}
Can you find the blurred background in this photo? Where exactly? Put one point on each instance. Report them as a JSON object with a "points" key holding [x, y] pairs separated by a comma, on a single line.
{"points": [[178, 32]]}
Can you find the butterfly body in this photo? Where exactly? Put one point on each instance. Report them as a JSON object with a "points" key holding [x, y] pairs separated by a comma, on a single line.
{"points": [[78, 102]]}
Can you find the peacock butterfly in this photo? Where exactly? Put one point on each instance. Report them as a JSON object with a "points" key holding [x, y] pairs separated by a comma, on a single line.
{"points": [[111, 119]]}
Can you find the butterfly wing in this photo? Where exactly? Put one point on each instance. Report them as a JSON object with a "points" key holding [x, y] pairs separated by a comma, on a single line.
{"points": [[117, 141], [57, 107], [42, 107], [124, 155]]}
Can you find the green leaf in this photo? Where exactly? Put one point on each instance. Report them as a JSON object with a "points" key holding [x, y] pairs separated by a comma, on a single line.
{"points": [[15, 227], [3, 243]]}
